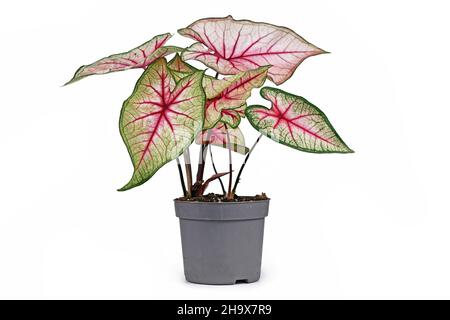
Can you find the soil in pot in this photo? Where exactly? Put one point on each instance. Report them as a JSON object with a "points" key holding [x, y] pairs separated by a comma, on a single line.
{"points": [[214, 197]]}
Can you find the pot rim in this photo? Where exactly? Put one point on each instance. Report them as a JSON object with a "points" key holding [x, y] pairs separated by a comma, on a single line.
{"points": [[222, 211]]}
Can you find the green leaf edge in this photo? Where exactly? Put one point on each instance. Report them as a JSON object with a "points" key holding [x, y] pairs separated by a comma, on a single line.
{"points": [[230, 125], [219, 120], [248, 116], [240, 118], [126, 187]]}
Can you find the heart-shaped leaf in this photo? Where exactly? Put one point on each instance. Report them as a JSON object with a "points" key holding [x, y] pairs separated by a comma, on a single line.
{"points": [[230, 93], [230, 46], [232, 117], [295, 122], [139, 57], [160, 119], [217, 136]]}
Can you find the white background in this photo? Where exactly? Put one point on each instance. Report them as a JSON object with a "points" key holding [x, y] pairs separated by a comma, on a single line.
{"points": [[374, 224]]}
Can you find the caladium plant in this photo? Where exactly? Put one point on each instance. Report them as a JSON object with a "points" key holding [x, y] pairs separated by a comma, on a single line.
{"points": [[175, 104]]}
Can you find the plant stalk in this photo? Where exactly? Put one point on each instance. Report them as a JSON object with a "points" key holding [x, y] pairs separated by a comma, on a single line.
{"points": [[215, 170], [243, 164], [187, 164], [180, 172], [202, 157], [230, 195], [202, 160]]}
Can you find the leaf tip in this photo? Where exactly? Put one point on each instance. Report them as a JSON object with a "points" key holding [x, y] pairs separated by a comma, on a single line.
{"points": [[345, 148], [183, 31], [74, 79], [77, 76], [318, 50], [125, 188], [130, 185], [350, 150], [266, 67]]}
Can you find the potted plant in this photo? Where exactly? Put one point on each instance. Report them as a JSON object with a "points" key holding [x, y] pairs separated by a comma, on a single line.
{"points": [[174, 104]]}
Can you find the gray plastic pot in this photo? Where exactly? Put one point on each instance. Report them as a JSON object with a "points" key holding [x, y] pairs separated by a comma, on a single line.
{"points": [[222, 241]]}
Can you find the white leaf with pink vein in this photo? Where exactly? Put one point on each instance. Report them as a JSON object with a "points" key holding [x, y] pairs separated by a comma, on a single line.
{"points": [[139, 57], [230, 46], [160, 119], [295, 122]]}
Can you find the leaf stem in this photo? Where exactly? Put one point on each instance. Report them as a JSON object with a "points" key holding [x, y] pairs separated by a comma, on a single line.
{"points": [[202, 156], [238, 178], [180, 172], [187, 164], [215, 170], [230, 195], [201, 161]]}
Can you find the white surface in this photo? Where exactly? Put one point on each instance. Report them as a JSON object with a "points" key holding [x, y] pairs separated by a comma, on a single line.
{"points": [[374, 224]]}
